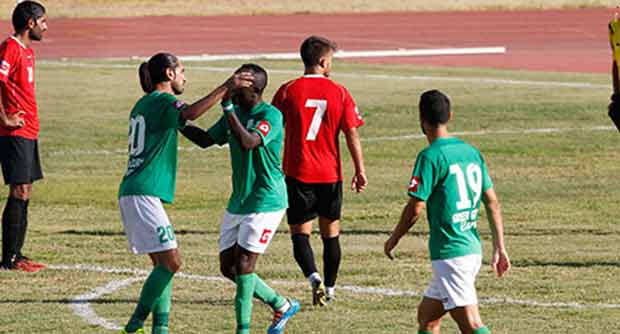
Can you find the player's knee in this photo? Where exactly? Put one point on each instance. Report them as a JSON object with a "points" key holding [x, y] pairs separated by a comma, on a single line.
{"points": [[174, 265], [21, 191], [228, 271], [425, 323]]}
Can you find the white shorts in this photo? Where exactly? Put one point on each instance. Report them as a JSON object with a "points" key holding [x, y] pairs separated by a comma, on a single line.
{"points": [[252, 231], [146, 224], [453, 281]]}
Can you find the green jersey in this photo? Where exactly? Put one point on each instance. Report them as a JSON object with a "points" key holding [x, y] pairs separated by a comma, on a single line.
{"points": [[257, 177], [451, 176], [153, 141]]}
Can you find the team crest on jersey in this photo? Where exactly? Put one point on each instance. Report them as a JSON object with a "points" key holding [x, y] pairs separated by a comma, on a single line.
{"points": [[414, 183], [264, 127], [179, 105], [5, 67]]}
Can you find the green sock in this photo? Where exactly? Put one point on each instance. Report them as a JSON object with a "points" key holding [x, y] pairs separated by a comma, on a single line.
{"points": [[243, 302], [424, 331], [161, 311], [151, 290], [267, 295], [482, 330]]}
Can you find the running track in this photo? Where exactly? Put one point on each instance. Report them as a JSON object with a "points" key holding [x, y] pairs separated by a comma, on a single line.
{"points": [[564, 40]]}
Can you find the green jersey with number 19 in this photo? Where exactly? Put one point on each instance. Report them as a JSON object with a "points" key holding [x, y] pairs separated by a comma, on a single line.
{"points": [[153, 141], [451, 176]]}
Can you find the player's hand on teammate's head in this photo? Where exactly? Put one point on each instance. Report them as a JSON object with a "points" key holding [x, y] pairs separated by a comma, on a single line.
{"points": [[500, 262], [359, 182], [240, 80]]}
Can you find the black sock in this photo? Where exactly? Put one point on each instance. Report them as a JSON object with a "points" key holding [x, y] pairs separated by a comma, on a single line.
{"points": [[11, 227], [303, 253], [22, 232], [331, 260]]}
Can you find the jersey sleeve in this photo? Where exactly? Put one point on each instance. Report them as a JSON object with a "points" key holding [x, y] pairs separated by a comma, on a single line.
{"points": [[269, 127], [487, 183], [351, 115], [422, 179], [219, 131], [172, 114], [8, 60]]}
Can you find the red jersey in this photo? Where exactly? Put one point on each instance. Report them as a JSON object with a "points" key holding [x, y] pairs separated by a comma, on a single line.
{"points": [[17, 75], [315, 110]]}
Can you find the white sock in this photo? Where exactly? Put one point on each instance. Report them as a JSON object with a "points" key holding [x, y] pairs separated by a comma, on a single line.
{"points": [[330, 290], [315, 279], [284, 307]]}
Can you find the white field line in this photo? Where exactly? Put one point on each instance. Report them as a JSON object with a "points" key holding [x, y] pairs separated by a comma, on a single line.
{"points": [[468, 80], [352, 54], [103, 152], [354, 289]]}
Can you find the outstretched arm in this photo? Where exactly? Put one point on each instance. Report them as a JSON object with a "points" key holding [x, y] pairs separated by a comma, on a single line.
{"points": [[238, 80], [500, 262], [359, 181], [197, 135], [411, 213]]}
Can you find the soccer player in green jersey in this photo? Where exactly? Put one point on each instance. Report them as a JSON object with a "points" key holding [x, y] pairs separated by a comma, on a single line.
{"points": [[449, 179], [253, 130], [150, 178]]}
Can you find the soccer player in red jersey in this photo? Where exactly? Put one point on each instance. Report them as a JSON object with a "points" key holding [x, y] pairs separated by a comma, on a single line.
{"points": [[316, 109], [19, 130]]}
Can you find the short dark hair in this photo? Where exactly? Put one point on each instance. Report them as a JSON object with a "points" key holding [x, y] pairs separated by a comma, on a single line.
{"points": [[314, 48], [154, 71], [25, 11], [435, 107], [260, 76]]}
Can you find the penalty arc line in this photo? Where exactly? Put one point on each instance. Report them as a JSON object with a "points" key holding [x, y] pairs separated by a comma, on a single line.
{"points": [[81, 304]]}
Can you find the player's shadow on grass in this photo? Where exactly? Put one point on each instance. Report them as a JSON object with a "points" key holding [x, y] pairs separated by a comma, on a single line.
{"points": [[103, 301], [566, 264]]}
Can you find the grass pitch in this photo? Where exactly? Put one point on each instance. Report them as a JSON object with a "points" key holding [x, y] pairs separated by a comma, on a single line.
{"points": [[559, 190]]}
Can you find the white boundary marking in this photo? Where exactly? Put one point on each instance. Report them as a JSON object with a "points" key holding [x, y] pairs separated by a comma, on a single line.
{"points": [[350, 54], [82, 308], [103, 152], [468, 80]]}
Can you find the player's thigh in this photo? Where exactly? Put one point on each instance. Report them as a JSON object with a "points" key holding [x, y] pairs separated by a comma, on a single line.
{"points": [[329, 203], [21, 165], [229, 231], [258, 229], [430, 312], [146, 224], [467, 317], [302, 202]]}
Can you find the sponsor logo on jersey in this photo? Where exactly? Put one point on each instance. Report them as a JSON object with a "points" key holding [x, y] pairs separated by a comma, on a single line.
{"points": [[264, 127], [414, 183], [179, 105], [5, 67]]}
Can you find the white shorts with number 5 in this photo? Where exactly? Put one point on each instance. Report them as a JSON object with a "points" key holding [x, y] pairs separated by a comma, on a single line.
{"points": [[146, 224], [252, 232], [454, 281]]}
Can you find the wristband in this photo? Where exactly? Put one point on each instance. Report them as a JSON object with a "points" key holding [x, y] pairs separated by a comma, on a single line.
{"points": [[227, 107]]}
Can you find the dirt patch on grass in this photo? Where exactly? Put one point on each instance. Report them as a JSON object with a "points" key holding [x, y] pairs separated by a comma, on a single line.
{"points": [[116, 8]]}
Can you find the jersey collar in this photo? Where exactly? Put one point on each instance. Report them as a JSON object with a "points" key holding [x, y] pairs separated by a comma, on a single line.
{"points": [[314, 76], [19, 42]]}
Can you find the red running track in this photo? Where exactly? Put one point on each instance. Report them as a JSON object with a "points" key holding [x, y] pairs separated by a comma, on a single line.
{"points": [[563, 40]]}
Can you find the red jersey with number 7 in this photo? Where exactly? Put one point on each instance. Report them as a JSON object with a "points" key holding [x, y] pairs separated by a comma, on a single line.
{"points": [[17, 88], [315, 110]]}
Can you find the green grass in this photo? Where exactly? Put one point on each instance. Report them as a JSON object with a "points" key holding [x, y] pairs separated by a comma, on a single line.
{"points": [[559, 193]]}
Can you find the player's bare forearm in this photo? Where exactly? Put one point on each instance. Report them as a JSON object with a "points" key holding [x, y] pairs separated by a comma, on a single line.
{"points": [[355, 148], [197, 136], [247, 139], [494, 214], [201, 106], [409, 216]]}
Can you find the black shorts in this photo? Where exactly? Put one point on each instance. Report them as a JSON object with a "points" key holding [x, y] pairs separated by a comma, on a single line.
{"points": [[306, 201], [20, 160]]}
